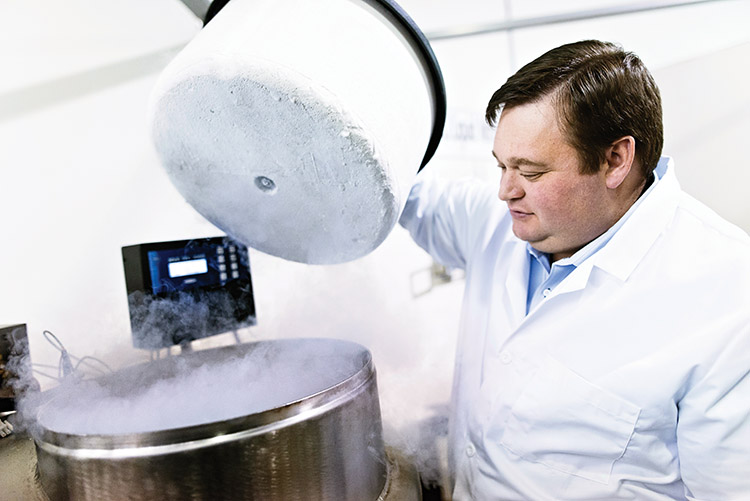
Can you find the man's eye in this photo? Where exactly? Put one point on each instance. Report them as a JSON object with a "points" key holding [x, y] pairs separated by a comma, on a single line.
{"points": [[532, 176]]}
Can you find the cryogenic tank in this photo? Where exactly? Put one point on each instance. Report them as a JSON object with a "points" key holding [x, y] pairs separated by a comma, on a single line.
{"points": [[294, 419], [297, 127]]}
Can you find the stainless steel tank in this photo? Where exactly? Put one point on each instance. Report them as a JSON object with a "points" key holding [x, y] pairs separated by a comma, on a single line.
{"points": [[325, 443]]}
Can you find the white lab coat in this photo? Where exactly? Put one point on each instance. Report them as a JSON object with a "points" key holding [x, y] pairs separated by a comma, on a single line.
{"points": [[629, 381]]}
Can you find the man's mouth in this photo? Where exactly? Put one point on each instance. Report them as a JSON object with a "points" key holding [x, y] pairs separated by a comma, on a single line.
{"points": [[519, 214]]}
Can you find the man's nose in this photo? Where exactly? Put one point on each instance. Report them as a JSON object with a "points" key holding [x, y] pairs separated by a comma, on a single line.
{"points": [[510, 189]]}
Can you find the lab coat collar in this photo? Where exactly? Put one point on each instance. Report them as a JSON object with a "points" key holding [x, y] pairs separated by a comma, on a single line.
{"points": [[619, 256], [630, 244]]}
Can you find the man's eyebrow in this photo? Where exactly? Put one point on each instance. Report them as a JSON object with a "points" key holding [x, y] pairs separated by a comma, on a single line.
{"points": [[522, 161]]}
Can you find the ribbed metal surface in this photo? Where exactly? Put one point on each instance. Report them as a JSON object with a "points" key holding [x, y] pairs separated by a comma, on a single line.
{"points": [[327, 446]]}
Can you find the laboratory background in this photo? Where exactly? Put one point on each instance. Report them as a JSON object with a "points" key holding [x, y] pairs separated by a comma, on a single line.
{"points": [[81, 178]]}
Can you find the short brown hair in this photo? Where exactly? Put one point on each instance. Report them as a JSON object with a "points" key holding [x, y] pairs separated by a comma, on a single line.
{"points": [[602, 94]]}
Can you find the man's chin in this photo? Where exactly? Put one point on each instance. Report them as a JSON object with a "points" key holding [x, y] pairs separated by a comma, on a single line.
{"points": [[528, 237], [538, 244]]}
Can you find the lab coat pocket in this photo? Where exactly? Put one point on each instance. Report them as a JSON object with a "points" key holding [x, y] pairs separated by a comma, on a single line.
{"points": [[567, 423]]}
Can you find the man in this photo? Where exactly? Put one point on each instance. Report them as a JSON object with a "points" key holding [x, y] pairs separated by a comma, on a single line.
{"points": [[604, 350]]}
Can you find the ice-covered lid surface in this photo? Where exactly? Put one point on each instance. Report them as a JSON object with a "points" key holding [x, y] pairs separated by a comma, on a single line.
{"points": [[276, 164]]}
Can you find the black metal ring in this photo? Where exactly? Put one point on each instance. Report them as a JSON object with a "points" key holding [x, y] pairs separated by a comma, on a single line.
{"points": [[214, 9], [410, 29]]}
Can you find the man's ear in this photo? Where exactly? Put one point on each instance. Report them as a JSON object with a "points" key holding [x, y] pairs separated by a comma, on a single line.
{"points": [[619, 159]]}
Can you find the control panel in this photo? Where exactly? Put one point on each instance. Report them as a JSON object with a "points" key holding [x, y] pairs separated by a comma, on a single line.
{"points": [[187, 289]]}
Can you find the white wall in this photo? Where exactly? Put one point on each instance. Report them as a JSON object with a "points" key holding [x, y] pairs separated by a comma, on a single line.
{"points": [[80, 177]]}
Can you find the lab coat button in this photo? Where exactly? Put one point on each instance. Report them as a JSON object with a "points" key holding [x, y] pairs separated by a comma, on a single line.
{"points": [[470, 450], [546, 292], [505, 357]]}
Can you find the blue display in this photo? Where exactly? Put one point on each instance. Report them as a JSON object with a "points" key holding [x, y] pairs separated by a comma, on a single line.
{"points": [[193, 267]]}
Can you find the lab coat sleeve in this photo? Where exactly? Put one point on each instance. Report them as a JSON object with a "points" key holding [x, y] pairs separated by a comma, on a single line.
{"points": [[445, 218], [713, 431]]}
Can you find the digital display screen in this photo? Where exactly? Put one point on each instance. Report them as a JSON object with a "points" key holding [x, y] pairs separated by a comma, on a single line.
{"points": [[185, 268]]}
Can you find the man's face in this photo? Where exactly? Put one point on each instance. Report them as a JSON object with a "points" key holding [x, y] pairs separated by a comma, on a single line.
{"points": [[554, 207]]}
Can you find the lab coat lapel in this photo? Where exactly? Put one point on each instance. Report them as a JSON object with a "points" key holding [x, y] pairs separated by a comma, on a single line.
{"points": [[513, 271], [507, 305]]}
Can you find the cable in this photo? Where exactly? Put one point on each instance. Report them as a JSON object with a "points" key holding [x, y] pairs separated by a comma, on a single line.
{"points": [[84, 360], [53, 340], [46, 366], [65, 367]]}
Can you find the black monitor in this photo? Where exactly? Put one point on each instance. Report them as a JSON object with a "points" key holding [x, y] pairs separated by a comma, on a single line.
{"points": [[184, 290]]}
